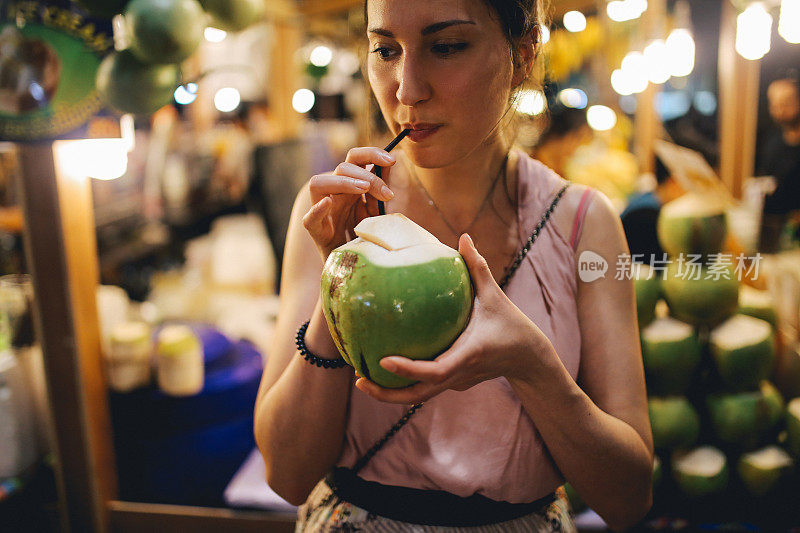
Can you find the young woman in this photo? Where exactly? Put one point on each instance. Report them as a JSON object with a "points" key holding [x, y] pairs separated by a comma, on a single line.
{"points": [[546, 382]]}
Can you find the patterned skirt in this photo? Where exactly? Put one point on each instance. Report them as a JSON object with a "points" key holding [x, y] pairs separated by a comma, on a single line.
{"points": [[325, 512]]}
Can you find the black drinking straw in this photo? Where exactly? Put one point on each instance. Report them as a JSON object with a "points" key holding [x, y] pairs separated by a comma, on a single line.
{"points": [[377, 170]]}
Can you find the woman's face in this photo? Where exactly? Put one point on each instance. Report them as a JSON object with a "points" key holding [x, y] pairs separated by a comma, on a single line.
{"points": [[442, 68]]}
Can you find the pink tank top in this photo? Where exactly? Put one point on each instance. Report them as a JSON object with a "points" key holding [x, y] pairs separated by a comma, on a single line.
{"points": [[482, 440]]}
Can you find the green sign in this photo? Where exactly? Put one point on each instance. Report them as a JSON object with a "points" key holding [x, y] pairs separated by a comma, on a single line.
{"points": [[49, 55]]}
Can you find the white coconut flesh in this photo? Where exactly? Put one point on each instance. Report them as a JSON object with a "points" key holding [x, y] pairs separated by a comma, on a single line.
{"points": [[794, 408], [769, 458], [740, 331], [394, 240], [413, 255], [692, 205], [750, 297], [667, 330], [394, 231], [703, 462]]}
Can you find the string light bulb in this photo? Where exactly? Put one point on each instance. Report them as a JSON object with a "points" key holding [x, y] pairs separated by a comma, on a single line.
{"points": [[789, 21], [753, 32]]}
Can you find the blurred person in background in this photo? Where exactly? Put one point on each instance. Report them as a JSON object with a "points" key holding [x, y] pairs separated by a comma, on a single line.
{"points": [[640, 217], [781, 159]]}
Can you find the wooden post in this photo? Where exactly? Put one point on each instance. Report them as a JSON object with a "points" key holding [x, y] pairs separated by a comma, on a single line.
{"points": [[284, 71], [62, 258], [647, 125], [738, 105]]}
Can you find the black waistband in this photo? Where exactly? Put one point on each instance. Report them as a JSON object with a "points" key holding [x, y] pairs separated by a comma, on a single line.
{"points": [[428, 507]]}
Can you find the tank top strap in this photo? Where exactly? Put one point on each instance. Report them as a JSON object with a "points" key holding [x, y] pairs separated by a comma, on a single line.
{"points": [[580, 215]]}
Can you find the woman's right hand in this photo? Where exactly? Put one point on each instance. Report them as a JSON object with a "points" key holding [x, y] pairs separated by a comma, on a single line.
{"points": [[343, 198]]}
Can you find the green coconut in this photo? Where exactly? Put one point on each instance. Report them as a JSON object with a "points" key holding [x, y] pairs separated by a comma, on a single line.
{"points": [[648, 288], [671, 352], [394, 290], [697, 300], [700, 472], [743, 420], [692, 224], [674, 422], [763, 470], [130, 86], [743, 351], [164, 31], [758, 304], [793, 426], [234, 15]]}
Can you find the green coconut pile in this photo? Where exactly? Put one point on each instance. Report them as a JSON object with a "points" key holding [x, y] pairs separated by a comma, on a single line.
{"points": [[161, 34], [717, 420]]}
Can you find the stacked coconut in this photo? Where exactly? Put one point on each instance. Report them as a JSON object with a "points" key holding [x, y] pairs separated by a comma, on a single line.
{"points": [[161, 34], [708, 353]]}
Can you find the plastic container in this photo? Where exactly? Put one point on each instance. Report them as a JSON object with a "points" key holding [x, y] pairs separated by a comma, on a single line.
{"points": [[180, 361], [129, 354]]}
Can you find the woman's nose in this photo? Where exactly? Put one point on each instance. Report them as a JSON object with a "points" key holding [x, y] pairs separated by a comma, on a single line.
{"points": [[413, 87]]}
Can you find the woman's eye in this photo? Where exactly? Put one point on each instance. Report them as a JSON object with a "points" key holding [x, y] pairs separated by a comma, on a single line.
{"points": [[446, 49], [383, 52]]}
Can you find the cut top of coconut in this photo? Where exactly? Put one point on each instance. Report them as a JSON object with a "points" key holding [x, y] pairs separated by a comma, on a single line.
{"points": [[705, 461], [750, 297], [739, 331], [412, 255], [769, 457], [667, 329], [693, 205], [794, 408], [394, 231]]}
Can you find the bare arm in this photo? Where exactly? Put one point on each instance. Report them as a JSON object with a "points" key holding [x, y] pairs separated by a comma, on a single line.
{"points": [[606, 450], [300, 411]]}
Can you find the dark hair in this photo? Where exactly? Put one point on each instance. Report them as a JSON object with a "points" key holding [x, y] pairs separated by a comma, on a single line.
{"points": [[517, 18]]}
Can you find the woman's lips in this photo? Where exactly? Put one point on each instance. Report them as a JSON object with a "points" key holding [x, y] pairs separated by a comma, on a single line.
{"points": [[421, 134]]}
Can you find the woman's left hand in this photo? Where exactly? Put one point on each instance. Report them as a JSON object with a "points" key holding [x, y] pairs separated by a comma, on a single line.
{"points": [[499, 340]]}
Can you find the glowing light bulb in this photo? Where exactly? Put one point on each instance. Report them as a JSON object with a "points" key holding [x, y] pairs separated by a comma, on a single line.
{"points": [[321, 56], [753, 32], [601, 118], [681, 52], [214, 35], [789, 22], [303, 100], [658, 61], [574, 21], [621, 83], [635, 68], [227, 99], [574, 98], [187, 94], [531, 102]]}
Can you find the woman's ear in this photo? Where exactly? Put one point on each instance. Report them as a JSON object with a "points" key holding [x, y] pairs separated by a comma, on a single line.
{"points": [[527, 47]]}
